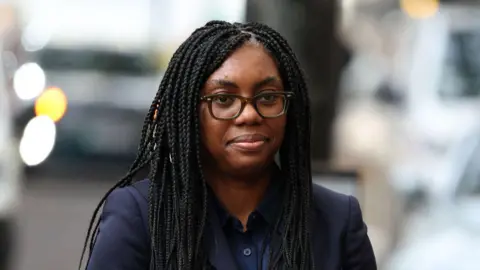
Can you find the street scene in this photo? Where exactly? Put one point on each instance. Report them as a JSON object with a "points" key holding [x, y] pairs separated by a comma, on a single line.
{"points": [[394, 90]]}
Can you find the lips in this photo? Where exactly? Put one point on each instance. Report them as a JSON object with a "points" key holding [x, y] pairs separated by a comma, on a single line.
{"points": [[249, 142], [249, 138]]}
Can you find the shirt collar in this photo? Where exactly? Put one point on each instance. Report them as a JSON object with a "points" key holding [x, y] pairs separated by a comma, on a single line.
{"points": [[269, 206]]}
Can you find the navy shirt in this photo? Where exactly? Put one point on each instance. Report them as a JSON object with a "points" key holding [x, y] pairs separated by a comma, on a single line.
{"points": [[247, 247]]}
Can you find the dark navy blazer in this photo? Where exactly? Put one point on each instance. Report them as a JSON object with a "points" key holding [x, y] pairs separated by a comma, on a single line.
{"points": [[340, 240]]}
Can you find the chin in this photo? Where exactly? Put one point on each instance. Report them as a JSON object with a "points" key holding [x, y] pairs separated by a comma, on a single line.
{"points": [[248, 164]]}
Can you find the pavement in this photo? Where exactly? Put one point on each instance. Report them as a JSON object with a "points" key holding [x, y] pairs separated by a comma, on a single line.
{"points": [[55, 212]]}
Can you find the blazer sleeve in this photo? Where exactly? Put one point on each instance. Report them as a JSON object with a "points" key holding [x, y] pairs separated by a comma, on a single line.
{"points": [[121, 242], [358, 249]]}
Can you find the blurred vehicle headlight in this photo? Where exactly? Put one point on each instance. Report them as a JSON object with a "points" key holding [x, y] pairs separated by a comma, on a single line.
{"points": [[29, 81], [38, 140], [52, 103]]}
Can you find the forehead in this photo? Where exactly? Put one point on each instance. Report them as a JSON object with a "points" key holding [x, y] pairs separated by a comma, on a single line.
{"points": [[249, 63]]}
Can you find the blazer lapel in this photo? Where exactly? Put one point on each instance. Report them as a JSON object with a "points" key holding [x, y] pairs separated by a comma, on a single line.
{"points": [[319, 243], [219, 253]]}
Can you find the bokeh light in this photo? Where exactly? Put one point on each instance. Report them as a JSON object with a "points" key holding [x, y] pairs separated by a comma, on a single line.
{"points": [[29, 81], [38, 140], [420, 9], [52, 103]]}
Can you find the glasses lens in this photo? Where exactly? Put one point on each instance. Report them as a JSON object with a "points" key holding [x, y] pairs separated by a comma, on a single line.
{"points": [[271, 104], [225, 106]]}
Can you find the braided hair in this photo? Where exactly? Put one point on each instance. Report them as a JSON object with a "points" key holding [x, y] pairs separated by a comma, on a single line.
{"points": [[170, 148]]}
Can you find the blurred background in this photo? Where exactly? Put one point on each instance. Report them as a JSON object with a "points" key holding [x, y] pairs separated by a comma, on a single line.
{"points": [[395, 88]]}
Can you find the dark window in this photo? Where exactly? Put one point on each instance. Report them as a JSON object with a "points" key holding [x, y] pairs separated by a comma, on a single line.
{"points": [[461, 78]]}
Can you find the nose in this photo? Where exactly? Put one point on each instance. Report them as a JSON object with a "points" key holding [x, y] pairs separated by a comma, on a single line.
{"points": [[249, 116]]}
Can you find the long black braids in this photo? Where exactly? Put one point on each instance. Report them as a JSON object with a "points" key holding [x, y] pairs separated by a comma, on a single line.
{"points": [[170, 146], [295, 155]]}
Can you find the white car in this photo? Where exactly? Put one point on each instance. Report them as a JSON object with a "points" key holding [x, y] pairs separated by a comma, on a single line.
{"points": [[10, 177]]}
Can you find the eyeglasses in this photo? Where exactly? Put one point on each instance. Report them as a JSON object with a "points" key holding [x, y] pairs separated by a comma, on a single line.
{"points": [[229, 106]]}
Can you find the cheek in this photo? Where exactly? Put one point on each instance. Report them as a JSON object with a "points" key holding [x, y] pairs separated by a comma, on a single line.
{"points": [[204, 123], [212, 131], [278, 128], [281, 125]]}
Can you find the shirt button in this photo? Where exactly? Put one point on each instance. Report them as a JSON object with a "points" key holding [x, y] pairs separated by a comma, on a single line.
{"points": [[247, 252]]}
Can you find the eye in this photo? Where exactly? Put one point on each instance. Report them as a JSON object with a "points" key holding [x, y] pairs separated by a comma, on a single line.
{"points": [[223, 100], [268, 98]]}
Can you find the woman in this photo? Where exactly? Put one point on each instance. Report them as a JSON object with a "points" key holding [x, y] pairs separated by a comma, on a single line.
{"points": [[216, 198]]}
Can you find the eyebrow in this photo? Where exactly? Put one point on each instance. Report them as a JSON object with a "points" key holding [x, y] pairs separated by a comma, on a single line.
{"points": [[230, 84], [267, 81]]}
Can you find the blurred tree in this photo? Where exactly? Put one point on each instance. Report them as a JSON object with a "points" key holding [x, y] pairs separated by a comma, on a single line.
{"points": [[310, 28]]}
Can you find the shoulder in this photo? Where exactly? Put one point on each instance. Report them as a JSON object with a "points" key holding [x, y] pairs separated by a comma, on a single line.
{"points": [[140, 188], [133, 197], [129, 202], [137, 191], [123, 240], [341, 216], [338, 210], [331, 204]]}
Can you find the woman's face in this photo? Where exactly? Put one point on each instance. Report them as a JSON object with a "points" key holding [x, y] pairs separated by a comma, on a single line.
{"points": [[248, 143]]}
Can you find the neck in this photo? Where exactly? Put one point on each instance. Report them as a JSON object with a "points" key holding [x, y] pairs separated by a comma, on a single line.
{"points": [[240, 196]]}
